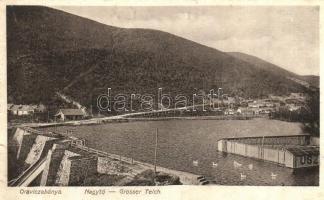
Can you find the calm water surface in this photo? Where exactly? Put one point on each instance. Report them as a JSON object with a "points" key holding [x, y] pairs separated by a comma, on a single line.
{"points": [[182, 141]]}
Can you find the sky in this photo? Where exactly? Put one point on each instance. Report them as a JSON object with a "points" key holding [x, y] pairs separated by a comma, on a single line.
{"points": [[287, 36]]}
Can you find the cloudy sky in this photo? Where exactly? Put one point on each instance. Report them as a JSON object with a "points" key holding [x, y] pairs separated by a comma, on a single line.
{"points": [[286, 36]]}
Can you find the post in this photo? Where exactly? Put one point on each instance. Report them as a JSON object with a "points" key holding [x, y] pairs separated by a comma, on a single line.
{"points": [[218, 93], [262, 149], [155, 150]]}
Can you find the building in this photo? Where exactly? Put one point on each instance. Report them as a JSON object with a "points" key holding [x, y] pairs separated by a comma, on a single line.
{"points": [[40, 108], [253, 104], [9, 106], [245, 111], [293, 151], [293, 107], [257, 104], [299, 96], [70, 114], [229, 112], [21, 110], [265, 111], [229, 100]]}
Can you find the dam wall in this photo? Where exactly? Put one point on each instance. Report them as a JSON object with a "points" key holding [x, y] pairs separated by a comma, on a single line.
{"points": [[53, 161], [49, 159]]}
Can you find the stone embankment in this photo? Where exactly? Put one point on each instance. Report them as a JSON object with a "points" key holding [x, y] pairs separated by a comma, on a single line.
{"points": [[68, 162]]}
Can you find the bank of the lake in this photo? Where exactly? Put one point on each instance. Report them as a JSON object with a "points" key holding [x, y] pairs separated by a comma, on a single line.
{"points": [[182, 141]]}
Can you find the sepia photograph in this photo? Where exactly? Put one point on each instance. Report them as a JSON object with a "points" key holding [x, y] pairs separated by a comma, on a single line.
{"points": [[162, 95]]}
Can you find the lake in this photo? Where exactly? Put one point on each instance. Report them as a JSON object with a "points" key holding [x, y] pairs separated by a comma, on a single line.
{"points": [[182, 141]]}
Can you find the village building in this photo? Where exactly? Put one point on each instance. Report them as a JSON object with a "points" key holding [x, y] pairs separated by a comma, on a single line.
{"points": [[265, 111], [293, 107], [229, 112], [229, 100], [244, 111], [9, 106], [269, 105], [21, 110], [70, 114], [40, 108], [299, 96], [277, 98], [256, 104]]}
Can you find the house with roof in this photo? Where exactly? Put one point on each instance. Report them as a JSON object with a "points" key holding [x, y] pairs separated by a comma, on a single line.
{"points": [[229, 112], [21, 110], [40, 108], [229, 100], [245, 111], [9, 106], [70, 114]]}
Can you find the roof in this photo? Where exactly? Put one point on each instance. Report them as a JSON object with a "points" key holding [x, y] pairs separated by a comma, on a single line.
{"points": [[22, 108], [71, 112], [26, 108], [14, 107], [9, 105], [266, 136], [304, 150]]}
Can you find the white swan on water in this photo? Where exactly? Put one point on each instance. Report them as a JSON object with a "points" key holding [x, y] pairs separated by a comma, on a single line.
{"points": [[195, 163], [236, 164], [250, 166], [273, 176], [243, 176]]}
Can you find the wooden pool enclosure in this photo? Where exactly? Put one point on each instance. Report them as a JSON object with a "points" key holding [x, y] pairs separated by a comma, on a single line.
{"points": [[293, 151]]}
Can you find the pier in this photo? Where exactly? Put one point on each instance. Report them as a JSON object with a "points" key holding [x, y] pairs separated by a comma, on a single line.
{"points": [[293, 151]]}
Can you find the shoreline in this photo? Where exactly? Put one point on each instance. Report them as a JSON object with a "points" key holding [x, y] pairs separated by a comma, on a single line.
{"points": [[186, 178], [121, 119]]}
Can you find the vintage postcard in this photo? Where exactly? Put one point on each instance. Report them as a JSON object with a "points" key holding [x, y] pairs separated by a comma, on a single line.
{"points": [[144, 100]]}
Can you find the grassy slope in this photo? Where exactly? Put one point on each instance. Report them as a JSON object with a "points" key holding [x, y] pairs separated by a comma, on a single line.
{"points": [[49, 50], [312, 80]]}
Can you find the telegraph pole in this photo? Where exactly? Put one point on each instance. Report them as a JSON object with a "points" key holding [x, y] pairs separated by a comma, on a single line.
{"points": [[218, 95], [155, 150]]}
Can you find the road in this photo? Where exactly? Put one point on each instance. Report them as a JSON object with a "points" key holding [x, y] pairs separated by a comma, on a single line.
{"points": [[100, 120]]}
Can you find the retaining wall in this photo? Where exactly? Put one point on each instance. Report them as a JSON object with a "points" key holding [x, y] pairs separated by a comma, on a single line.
{"points": [[107, 165], [80, 168], [53, 161], [37, 149], [63, 174]]}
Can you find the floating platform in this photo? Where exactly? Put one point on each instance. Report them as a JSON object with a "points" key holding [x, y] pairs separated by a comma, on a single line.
{"points": [[293, 151]]}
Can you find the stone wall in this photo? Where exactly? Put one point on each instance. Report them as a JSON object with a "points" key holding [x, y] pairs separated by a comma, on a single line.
{"points": [[109, 166], [46, 175], [82, 168], [27, 143], [37, 149], [15, 141], [63, 174], [19, 145], [65, 167], [53, 161]]}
